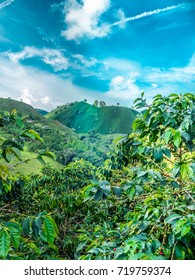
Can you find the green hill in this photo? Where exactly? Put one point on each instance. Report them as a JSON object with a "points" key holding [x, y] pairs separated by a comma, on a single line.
{"points": [[30, 114], [84, 117], [61, 140], [23, 109]]}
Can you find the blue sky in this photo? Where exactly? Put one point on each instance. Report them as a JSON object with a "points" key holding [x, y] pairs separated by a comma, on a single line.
{"points": [[53, 51]]}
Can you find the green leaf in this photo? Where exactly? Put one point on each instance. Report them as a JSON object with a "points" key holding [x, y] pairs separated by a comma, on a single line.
{"points": [[36, 226], [175, 171], [172, 218], [47, 154], [158, 154], [4, 243], [131, 193], [49, 229], [142, 174], [177, 139], [171, 239], [155, 174], [180, 252], [34, 247], [8, 154], [106, 191], [173, 95], [184, 170], [17, 153], [143, 226], [167, 136], [156, 244], [185, 229], [98, 194], [41, 160], [87, 191], [81, 246], [175, 185], [191, 207], [4, 172], [186, 136], [26, 226], [117, 191], [166, 152], [15, 236], [32, 134], [19, 122]]}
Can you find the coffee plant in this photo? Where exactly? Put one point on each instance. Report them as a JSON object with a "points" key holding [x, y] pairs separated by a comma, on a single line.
{"points": [[139, 204]]}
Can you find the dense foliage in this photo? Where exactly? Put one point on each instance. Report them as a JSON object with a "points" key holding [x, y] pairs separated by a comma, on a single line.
{"points": [[139, 204]]}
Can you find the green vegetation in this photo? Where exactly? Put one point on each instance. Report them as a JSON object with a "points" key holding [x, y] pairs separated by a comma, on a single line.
{"points": [[138, 204], [65, 143], [84, 117], [23, 109]]}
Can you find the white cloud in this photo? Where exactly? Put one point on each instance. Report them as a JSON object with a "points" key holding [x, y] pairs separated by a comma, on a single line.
{"points": [[52, 57], [87, 62], [124, 87], [151, 80], [123, 20], [154, 85], [122, 65], [39, 89], [32, 97], [172, 75], [83, 19], [6, 3]]}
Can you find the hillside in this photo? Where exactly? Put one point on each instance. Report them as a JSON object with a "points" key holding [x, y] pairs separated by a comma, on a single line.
{"points": [[23, 109], [30, 114], [84, 117], [61, 140]]}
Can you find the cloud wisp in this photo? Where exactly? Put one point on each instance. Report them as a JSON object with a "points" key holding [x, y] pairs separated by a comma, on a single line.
{"points": [[123, 20], [129, 85], [52, 57], [6, 3], [83, 20]]}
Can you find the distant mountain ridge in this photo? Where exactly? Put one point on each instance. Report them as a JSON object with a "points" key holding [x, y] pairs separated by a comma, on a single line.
{"points": [[84, 117], [41, 111]]}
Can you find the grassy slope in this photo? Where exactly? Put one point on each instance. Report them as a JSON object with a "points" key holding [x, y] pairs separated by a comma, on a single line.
{"points": [[22, 108], [84, 117], [64, 142], [28, 112], [28, 168]]}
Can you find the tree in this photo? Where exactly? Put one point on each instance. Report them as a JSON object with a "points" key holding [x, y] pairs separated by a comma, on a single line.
{"points": [[102, 103], [160, 152], [96, 103]]}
